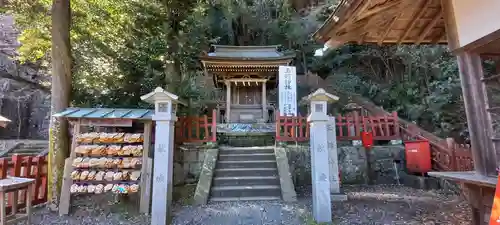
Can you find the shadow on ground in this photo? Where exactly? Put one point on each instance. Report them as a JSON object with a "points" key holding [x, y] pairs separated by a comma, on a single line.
{"points": [[366, 205]]}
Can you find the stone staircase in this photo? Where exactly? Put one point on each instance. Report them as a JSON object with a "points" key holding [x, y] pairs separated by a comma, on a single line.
{"points": [[246, 173], [28, 148]]}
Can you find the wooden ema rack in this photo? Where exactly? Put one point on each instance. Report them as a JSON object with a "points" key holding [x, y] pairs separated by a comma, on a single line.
{"points": [[92, 163]]}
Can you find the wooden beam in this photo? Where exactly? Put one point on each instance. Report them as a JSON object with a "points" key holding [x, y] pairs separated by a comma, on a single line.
{"points": [[450, 24], [354, 14], [439, 37], [419, 14], [378, 9], [246, 80], [388, 29], [429, 27]]}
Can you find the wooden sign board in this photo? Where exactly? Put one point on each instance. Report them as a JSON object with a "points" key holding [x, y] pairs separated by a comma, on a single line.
{"points": [[107, 122], [495, 209]]}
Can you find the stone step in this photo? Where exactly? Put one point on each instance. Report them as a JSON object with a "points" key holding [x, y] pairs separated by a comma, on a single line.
{"points": [[35, 146], [246, 164], [28, 150], [246, 180], [246, 191], [247, 139], [21, 153], [246, 150], [258, 198], [246, 156], [246, 172]]}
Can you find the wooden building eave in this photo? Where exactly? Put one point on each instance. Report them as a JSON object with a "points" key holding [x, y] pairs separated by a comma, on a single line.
{"points": [[384, 21], [243, 61]]}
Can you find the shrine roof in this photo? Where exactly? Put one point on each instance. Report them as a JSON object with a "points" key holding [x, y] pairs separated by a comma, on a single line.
{"points": [[106, 113], [384, 21], [246, 53]]}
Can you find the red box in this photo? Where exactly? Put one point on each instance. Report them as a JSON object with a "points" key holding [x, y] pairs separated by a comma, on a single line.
{"points": [[418, 156], [367, 139]]}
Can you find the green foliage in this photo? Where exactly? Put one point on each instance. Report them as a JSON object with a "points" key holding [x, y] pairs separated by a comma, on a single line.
{"points": [[421, 83], [123, 49]]}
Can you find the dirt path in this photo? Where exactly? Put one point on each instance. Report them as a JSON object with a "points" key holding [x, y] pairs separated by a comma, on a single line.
{"points": [[366, 205]]}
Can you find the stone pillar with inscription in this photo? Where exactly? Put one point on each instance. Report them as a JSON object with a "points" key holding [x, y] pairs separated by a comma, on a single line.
{"points": [[319, 121], [164, 117], [333, 162]]}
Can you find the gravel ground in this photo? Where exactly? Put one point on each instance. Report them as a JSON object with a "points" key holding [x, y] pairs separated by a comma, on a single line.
{"points": [[366, 205]]}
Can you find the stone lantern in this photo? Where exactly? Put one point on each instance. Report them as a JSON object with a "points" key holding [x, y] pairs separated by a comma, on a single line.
{"points": [[165, 109], [324, 161]]}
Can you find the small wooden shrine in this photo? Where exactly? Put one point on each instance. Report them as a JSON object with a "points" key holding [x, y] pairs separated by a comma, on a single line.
{"points": [[245, 74], [109, 154]]}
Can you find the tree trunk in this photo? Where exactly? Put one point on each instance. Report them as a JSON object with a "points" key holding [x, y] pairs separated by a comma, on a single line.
{"points": [[60, 98], [173, 73]]}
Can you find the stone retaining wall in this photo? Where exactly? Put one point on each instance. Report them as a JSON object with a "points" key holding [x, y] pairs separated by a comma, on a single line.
{"points": [[352, 164], [188, 161]]}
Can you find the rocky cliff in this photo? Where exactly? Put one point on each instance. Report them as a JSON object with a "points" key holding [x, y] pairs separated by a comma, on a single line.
{"points": [[24, 98]]}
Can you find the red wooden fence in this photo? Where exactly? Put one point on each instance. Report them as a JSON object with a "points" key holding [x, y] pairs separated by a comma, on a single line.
{"points": [[296, 128], [196, 129], [446, 154], [383, 127], [291, 128], [30, 167]]}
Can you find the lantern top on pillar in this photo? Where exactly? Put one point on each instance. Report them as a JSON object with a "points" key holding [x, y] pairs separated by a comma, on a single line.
{"points": [[165, 104], [161, 95], [320, 95], [318, 103]]}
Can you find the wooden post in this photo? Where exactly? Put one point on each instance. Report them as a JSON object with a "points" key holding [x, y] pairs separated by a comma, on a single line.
{"points": [[228, 101], [146, 170], [214, 126], [453, 160], [3, 209], [205, 126], [64, 203], [278, 126], [357, 124], [397, 130], [478, 120], [28, 203], [264, 102]]}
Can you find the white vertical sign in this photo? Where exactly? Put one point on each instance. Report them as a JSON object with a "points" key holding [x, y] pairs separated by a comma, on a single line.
{"points": [[287, 90]]}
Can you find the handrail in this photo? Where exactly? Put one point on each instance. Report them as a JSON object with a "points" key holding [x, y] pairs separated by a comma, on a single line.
{"points": [[445, 156]]}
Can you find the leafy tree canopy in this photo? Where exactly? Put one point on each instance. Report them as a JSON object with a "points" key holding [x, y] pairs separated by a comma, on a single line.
{"points": [[123, 49]]}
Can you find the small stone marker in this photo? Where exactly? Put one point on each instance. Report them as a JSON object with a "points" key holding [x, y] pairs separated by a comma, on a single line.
{"points": [[322, 206], [165, 109]]}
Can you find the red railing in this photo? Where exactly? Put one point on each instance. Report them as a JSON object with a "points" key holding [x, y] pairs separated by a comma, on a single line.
{"points": [[291, 128], [382, 127], [196, 129], [30, 167], [296, 128], [446, 154]]}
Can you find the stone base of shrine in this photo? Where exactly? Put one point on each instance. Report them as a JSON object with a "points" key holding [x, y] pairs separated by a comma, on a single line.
{"points": [[244, 128]]}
